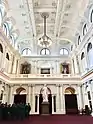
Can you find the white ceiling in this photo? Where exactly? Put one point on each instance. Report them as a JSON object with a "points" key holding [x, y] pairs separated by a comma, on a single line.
{"points": [[64, 18]]}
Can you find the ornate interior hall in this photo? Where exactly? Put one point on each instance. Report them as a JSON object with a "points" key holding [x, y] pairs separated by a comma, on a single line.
{"points": [[46, 55]]}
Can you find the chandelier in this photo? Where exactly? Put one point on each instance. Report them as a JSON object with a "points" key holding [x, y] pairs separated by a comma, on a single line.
{"points": [[44, 41]]}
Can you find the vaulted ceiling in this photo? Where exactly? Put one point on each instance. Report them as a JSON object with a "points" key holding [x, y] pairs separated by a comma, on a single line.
{"points": [[64, 18]]}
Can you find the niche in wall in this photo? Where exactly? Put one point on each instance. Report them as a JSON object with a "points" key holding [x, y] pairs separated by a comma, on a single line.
{"points": [[64, 68], [25, 68]]}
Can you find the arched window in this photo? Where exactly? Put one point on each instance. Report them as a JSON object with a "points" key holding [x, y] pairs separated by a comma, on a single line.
{"points": [[1, 48], [6, 29], [45, 51], [90, 54], [91, 16], [26, 52], [7, 56], [84, 29], [89, 47], [83, 62], [64, 51], [12, 40], [79, 39], [82, 56]]}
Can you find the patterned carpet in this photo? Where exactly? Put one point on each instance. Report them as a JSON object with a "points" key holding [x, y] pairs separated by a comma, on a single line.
{"points": [[53, 119]]}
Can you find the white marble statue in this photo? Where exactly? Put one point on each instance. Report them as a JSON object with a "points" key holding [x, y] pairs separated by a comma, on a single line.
{"points": [[45, 93]]}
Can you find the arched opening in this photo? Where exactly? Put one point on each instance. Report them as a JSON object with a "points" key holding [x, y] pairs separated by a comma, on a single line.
{"points": [[7, 56], [20, 96], [90, 54], [85, 29], [45, 108], [1, 48], [71, 101], [83, 62]]}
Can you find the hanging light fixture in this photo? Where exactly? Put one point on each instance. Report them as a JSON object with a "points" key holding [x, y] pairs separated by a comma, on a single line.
{"points": [[44, 41]]}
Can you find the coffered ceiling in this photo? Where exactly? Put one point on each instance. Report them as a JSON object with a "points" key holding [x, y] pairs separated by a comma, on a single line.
{"points": [[64, 18]]}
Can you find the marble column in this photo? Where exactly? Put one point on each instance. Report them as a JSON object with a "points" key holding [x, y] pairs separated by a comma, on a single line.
{"points": [[33, 99], [72, 67], [11, 95], [79, 99], [4, 100], [76, 65], [90, 89], [52, 103], [14, 66], [37, 103], [29, 94], [86, 101], [4, 59], [57, 100], [35, 67], [9, 66], [62, 102], [18, 67], [57, 67], [0, 87]]}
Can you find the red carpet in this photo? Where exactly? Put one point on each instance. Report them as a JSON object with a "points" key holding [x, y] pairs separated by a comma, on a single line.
{"points": [[54, 119]]}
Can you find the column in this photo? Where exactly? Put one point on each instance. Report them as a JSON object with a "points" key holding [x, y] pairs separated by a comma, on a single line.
{"points": [[35, 67], [37, 103], [4, 59], [14, 66], [52, 103], [33, 99], [57, 67], [17, 61], [57, 99], [9, 66], [79, 99], [72, 67], [0, 87], [29, 94], [90, 89], [4, 97], [76, 66], [86, 101], [11, 95], [18, 67], [61, 100]]}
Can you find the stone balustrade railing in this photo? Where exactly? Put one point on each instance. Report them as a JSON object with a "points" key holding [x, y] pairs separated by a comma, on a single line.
{"points": [[42, 75]]}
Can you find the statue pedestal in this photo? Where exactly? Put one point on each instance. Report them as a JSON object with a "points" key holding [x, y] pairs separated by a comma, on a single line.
{"points": [[45, 108]]}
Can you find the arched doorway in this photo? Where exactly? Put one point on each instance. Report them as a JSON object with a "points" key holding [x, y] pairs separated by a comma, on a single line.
{"points": [[20, 96], [71, 101], [49, 100]]}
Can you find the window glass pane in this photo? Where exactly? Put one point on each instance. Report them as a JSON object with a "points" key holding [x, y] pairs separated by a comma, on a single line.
{"points": [[29, 52], [26, 52], [65, 52], [45, 51], [61, 52]]}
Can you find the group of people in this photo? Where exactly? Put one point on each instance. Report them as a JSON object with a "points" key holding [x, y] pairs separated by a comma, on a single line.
{"points": [[85, 111], [18, 111]]}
